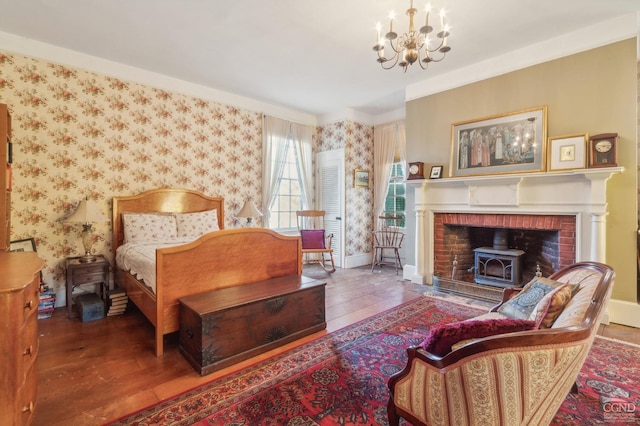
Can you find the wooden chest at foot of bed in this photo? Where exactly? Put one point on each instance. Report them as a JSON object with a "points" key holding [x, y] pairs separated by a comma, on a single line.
{"points": [[222, 327]]}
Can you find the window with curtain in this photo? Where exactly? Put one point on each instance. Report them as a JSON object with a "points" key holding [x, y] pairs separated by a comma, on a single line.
{"points": [[395, 201], [289, 194]]}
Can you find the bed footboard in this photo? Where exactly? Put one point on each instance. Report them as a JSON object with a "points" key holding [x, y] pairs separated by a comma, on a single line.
{"points": [[217, 260]]}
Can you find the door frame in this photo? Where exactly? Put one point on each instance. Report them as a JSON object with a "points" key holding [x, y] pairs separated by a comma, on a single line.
{"points": [[322, 158]]}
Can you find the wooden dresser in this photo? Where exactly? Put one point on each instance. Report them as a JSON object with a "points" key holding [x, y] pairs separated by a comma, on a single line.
{"points": [[19, 298], [225, 326]]}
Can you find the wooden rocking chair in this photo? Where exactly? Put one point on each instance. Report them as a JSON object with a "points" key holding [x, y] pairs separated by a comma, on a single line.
{"points": [[315, 242]]}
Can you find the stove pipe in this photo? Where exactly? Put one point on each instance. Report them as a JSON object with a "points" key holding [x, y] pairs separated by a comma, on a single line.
{"points": [[500, 239]]}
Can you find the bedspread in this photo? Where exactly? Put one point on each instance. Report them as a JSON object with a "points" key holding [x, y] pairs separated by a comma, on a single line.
{"points": [[140, 259]]}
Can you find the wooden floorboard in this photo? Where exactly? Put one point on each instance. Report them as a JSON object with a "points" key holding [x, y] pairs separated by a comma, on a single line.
{"points": [[90, 373]]}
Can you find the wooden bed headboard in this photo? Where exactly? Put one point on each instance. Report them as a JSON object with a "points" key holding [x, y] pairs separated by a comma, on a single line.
{"points": [[165, 200]]}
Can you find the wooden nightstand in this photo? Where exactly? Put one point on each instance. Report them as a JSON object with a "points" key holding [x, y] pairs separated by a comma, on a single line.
{"points": [[86, 273]]}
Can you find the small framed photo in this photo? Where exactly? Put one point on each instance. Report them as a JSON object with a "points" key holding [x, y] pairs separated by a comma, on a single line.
{"points": [[567, 152], [436, 172], [28, 244], [361, 178]]}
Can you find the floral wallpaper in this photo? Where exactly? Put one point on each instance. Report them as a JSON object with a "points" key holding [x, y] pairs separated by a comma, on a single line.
{"points": [[79, 134], [357, 141]]}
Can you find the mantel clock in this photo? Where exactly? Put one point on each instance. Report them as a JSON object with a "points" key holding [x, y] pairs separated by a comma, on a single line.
{"points": [[603, 150]]}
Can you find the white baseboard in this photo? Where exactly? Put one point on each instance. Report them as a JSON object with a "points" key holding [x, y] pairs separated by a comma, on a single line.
{"points": [[357, 260], [363, 259], [410, 272], [624, 313]]}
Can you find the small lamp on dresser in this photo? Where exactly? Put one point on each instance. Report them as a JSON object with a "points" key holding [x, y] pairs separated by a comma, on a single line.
{"points": [[86, 213], [249, 211]]}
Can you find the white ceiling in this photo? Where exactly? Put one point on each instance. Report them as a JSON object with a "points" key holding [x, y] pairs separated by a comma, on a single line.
{"points": [[315, 57]]}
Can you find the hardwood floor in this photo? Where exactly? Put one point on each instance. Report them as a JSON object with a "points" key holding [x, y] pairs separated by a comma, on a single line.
{"points": [[93, 372]]}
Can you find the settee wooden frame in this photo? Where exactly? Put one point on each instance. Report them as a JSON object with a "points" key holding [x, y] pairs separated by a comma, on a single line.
{"points": [[219, 259]]}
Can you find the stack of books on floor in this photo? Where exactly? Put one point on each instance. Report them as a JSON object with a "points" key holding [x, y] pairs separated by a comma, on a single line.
{"points": [[116, 301], [47, 304]]}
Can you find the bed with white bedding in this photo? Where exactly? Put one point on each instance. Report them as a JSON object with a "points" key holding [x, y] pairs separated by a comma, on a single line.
{"points": [[192, 255]]}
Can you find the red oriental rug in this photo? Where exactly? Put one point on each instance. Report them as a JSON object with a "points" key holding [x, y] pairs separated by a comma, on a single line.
{"points": [[341, 379]]}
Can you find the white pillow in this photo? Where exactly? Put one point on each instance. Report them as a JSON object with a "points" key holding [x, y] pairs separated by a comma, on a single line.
{"points": [[149, 227], [195, 225]]}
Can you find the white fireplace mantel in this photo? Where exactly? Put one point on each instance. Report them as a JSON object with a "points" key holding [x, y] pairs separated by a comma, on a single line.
{"points": [[576, 192]]}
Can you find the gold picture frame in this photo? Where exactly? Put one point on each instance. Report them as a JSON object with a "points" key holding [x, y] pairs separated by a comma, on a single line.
{"points": [[513, 142], [567, 152], [360, 178]]}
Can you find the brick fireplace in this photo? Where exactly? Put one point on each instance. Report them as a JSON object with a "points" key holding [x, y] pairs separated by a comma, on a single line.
{"points": [[548, 241], [558, 218]]}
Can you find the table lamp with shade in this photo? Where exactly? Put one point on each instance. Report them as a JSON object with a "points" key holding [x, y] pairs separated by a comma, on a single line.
{"points": [[249, 211], [86, 213]]}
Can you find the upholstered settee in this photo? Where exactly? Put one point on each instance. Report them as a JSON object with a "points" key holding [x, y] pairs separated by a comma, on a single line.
{"points": [[510, 378]]}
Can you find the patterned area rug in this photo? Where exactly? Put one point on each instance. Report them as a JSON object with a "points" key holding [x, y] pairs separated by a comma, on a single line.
{"points": [[340, 379]]}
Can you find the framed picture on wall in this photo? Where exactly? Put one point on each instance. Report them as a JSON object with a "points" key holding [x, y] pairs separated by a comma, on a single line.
{"points": [[567, 152], [28, 244], [513, 142], [361, 178]]}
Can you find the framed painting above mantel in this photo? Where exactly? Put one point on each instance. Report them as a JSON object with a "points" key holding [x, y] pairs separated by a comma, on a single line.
{"points": [[513, 142]]}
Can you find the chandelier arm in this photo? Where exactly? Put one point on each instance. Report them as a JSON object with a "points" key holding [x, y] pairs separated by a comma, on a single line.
{"points": [[424, 67], [394, 59], [435, 49], [399, 44], [432, 59], [383, 59], [438, 60]]}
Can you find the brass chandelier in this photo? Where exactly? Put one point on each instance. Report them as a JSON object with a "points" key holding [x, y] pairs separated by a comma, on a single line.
{"points": [[413, 45]]}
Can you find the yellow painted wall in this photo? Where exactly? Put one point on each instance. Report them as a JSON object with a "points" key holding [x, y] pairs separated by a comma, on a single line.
{"points": [[591, 92]]}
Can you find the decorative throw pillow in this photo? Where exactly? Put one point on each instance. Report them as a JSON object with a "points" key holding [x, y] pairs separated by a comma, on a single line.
{"points": [[195, 225], [573, 314], [551, 306], [440, 339], [312, 238], [521, 306], [149, 227]]}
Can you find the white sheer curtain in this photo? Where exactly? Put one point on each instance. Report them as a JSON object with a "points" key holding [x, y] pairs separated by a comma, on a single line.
{"points": [[303, 138], [276, 133], [389, 146]]}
